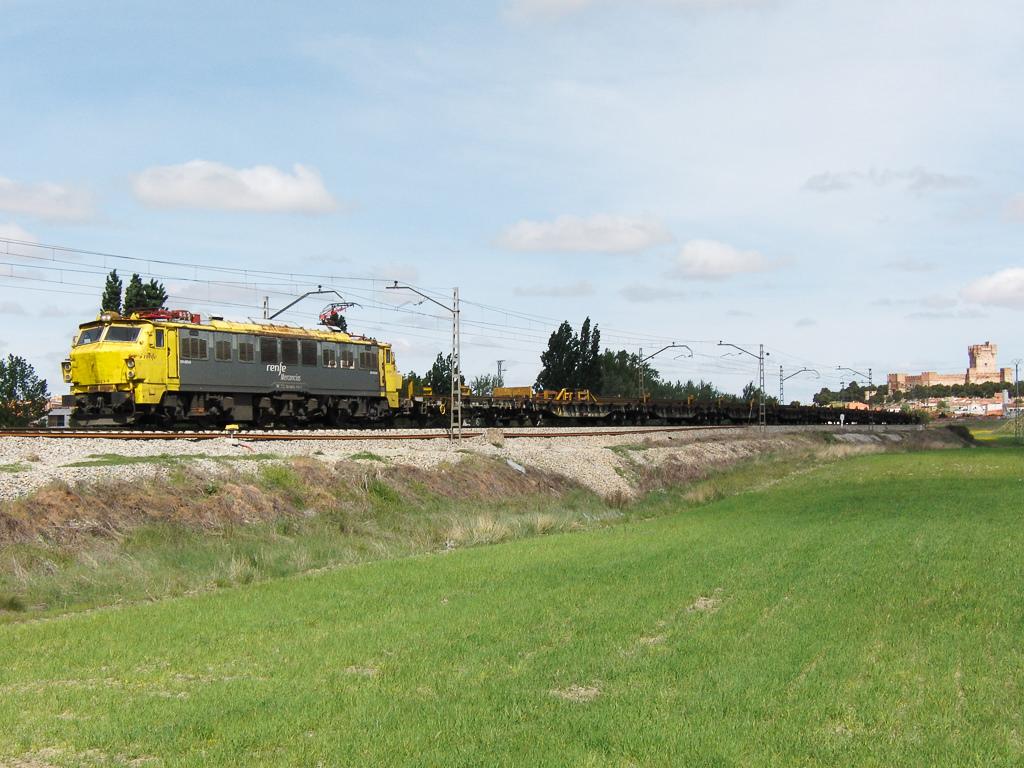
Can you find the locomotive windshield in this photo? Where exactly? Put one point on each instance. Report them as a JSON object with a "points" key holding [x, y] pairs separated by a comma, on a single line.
{"points": [[122, 333], [89, 336]]}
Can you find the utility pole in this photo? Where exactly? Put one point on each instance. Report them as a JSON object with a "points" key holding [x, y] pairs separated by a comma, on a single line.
{"points": [[784, 379], [641, 360], [1018, 426], [762, 411], [456, 419], [266, 306], [455, 401], [501, 381], [863, 376], [762, 419]]}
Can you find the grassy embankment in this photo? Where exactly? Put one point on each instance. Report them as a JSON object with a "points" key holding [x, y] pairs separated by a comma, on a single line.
{"points": [[73, 548], [863, 612]]}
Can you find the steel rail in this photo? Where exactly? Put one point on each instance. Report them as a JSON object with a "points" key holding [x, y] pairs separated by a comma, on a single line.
{"points": [[286, 436]]}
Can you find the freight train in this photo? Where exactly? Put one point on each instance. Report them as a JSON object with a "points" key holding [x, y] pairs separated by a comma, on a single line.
{"points": [[165, 368]]}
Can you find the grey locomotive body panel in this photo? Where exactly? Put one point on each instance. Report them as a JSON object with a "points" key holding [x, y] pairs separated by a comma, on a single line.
{"points": [[227, 361]]}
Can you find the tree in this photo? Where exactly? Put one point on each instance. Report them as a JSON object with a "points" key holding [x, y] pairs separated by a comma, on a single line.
{"points": [[439, 377], [485, 384], [154, 294], [111, 300], [23, 395], [558, 361], [141, 296], [572, 361], [588, 364], [134, 294]]}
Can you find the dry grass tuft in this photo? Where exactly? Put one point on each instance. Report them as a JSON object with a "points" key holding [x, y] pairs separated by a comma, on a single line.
{"points": [[579, 694], [483, 529], [704, 604]]}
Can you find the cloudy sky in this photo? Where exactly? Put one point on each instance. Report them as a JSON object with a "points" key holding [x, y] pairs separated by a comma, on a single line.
{"points": [[839, 181]]}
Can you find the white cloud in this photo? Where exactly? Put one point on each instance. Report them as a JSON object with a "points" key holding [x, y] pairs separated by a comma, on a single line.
{"points": [[12, 231], [601, 233], [806, 322], [212, 185], [11, 308], [568, 290], [1001, 289], [641, 294], [45, 200], [712, 260], [917, 180]]}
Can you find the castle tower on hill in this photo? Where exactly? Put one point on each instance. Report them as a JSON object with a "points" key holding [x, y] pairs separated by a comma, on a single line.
{"points": [[982, 358], [982, 369]]}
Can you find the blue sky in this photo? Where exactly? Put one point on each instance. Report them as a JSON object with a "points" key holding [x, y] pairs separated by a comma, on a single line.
{"points": [[839, 181]]}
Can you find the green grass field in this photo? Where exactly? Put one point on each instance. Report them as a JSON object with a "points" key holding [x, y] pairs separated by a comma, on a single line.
{"points": [[865, 612]]}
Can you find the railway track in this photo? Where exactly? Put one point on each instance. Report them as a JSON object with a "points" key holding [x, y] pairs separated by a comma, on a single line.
{"points": [[535, 432]]}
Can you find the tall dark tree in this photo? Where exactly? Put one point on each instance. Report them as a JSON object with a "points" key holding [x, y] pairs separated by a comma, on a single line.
{"points": [[111, 300], [572, 361], [589, 374], [141, 296], [154, 294], [23, 394], [558, 361], [439, 377], [134, 295]]}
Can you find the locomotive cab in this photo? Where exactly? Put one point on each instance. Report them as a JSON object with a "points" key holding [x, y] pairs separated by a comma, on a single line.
{"points": [[111, 359]]}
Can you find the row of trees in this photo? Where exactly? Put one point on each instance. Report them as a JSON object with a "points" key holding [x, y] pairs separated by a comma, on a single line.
{"points": [[989, 389], [139, 296], [854, 392], [574, 360]]}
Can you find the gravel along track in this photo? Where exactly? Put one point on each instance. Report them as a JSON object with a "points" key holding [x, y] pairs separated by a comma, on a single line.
{"points": [[606, 463]]}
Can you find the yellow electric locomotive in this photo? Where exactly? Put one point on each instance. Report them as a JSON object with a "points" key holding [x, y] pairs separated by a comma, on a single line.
{"points": [[167, 366]]}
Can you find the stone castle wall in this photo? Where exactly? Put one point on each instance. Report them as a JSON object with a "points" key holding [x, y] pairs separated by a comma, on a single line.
{"points": [[982, 370]]}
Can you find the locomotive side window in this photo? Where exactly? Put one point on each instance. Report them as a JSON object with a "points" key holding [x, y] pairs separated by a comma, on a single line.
{"points": [[122, 333], [158, 337], [222, 350], [89, 336], [348, 356], [289, 351], [246, 352], [330, 357], [368, 359], [193, 348], [268, 350], [308, 353]]}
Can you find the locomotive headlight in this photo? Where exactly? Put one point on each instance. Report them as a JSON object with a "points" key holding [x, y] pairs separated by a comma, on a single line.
{"points": [[131, 374], [65, 368], [130, 362]]}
